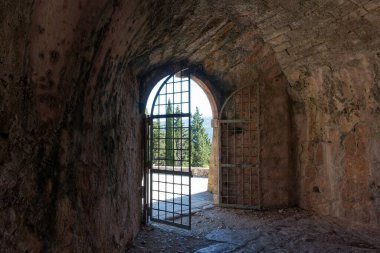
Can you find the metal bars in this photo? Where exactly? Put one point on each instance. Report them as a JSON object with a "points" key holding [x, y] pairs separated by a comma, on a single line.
{"points": [[239, 150], [170, 152]]}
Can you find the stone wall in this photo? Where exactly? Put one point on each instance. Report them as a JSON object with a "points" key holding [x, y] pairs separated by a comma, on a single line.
{"points": [[329, 51], [71, 149]]}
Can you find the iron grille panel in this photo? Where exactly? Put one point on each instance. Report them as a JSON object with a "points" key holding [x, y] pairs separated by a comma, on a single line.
{"points": [[170, 152], [239, 150]]}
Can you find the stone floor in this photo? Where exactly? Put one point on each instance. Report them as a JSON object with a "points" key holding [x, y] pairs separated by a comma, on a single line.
{"points": [[217, 229], [232, 230]]}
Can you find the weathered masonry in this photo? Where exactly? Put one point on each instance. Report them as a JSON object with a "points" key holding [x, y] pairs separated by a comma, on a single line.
{"points": [[295, 85]]}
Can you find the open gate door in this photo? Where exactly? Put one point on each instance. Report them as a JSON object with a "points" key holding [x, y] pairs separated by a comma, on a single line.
{"points": [[239, 175], [170, 152]]}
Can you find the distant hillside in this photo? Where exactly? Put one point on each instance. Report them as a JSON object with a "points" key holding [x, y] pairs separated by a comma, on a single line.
{"points": [[207, 126]]}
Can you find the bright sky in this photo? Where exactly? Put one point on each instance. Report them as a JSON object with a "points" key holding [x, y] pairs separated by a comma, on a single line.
{"points": [[198, 98]]}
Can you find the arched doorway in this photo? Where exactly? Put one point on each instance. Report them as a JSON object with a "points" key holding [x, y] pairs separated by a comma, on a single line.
{"points": [[169, 138], [239, 169], [170, 152]]}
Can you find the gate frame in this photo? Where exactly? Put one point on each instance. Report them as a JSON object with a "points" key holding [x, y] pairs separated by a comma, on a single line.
{"points": [[148, 166]]}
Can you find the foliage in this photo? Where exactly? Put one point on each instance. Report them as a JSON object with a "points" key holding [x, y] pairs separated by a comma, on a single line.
{"points": [[169, 147], [158, 143], [181, 136], [200, 143], [171, 144]]}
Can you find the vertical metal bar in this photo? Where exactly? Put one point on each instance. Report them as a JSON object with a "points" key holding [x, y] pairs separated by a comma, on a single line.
{"points": [[181, 127], [190, 173], [181, 154], [149, 167], [158, 156], [174, 143], [174, 148], [166, 150], [145, 169], [173, 128], [151, 172], [174, 154]]}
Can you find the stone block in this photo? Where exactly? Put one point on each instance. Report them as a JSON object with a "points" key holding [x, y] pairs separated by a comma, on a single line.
{"points": [[373, 5], [280, 31]]}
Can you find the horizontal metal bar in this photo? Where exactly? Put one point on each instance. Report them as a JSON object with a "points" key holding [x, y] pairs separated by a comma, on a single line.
{"points": [[183, 195], [186, 138], [182, 168], [172, 223], [165, 182], [178, 204], [156, 150], [168, 215], [172, 160], [169, 203], [170, 172], [176, 92], [180, 115], [175, 128], [173, 104], [183, 79]]}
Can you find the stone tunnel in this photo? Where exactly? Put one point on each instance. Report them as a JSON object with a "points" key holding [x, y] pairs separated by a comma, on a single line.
{"points": [[75, 76]]}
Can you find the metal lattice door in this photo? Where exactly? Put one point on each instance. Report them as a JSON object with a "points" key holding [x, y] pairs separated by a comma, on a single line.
{"points": [[239, 150], [170, 152]]}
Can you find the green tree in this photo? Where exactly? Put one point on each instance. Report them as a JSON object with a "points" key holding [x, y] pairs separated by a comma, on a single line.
{"points": [[169, 136], [200, 143], [181, 140], [158, 143]]}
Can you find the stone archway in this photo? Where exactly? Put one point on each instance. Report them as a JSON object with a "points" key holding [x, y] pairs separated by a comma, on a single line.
{"points": [[215, 101]]}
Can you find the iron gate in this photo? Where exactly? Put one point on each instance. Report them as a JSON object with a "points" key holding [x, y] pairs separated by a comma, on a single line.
{"points": [[239, 168], [170, 152]]}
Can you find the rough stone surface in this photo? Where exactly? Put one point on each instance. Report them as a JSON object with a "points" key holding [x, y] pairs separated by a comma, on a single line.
{"points": [[74, 76], [282, 230], [240, 237], [219, 247], [70, 156]]}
